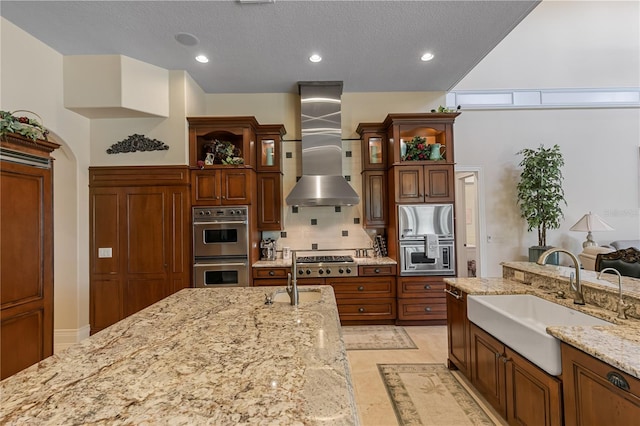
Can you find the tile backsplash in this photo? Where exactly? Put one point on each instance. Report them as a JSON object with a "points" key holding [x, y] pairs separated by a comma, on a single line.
{"points": [[326, 226]]}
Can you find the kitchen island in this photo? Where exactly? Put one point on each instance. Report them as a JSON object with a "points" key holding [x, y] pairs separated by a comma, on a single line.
{"points": [[200, 356]]}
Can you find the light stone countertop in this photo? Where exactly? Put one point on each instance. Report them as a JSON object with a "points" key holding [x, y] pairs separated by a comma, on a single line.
{"points": [[617, 344], [200, 356], [280, 263]]}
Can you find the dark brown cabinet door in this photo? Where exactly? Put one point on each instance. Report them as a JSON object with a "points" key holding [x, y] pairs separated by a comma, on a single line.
{"points": [[409, 184], [205, 187], [439, 184], [219, 186], [235, 186], [374, 192], [590, 395], [26, 255], [458, 330], [269, 201], [487, 371]]}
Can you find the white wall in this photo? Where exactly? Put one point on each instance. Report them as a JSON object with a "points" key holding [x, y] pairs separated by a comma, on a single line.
{"points": [[559, 45]]}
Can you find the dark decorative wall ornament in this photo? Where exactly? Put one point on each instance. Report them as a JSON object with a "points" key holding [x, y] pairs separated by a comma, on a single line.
{"points": [[135, 143]]}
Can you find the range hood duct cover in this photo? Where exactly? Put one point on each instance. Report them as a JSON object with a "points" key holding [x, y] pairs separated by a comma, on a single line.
{"points": [[322, 183]]}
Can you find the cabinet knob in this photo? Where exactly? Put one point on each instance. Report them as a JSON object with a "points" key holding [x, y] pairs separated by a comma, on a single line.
{"points": [[272, 273], [377, 270], [223, 197], [361, 310], [361, 288], [427, 309], [427, 287]]}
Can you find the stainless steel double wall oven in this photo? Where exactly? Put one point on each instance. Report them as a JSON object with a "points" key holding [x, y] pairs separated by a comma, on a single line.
{"points": [[426, 239], [220, 246]]}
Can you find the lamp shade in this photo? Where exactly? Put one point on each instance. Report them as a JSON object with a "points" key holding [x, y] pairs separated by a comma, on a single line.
{"points": [[591, 222]]}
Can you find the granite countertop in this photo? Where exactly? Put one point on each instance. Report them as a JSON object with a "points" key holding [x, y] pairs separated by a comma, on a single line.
{"points": [[200, 356], [617, 344], [280, 263]]}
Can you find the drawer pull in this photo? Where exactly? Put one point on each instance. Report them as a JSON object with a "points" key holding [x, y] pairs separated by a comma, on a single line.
{"points": [[377, 270], [617, 380], [427, 287], [427, 309], [360, 310], [453, 293], [361, 288], [272, 273]]}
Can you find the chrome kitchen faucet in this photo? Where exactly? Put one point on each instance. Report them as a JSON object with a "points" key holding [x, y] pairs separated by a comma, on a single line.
{"points": [[578, 299], [292, 280]]}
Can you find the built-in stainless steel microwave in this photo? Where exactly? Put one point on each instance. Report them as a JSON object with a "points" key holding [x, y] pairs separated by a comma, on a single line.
{"points": [[417, 220], [414, 259]]}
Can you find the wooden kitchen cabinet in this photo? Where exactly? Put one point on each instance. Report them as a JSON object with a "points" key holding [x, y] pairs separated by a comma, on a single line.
{"points": [[140, 239], [222, 186], [374, 146], [459, 349], [369, 298], [374, 198], [595, 393], [239, 131], [520, 391], [269, 201], [26, 252], [424, 183], [421, 301], [275, 276]]}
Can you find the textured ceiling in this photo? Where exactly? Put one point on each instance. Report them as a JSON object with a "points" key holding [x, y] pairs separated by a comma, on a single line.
{"points": [[372, 46]]}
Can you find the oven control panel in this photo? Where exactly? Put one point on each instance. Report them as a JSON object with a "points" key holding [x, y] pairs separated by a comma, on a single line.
{"points": [[220, 213]]}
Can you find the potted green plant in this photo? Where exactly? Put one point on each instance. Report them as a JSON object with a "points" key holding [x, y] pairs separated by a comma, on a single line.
{"points": [[540, 194]]}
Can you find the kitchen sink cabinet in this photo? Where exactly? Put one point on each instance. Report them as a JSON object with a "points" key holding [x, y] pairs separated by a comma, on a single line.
{"points": [[596, 393], [417, 184], [421, 300], [458, 331], [520, 391], [221, 186], [140, 239], [26, 247]]}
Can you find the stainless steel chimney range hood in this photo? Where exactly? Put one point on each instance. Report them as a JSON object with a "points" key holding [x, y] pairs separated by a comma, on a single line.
{"points": [[322, 183]]}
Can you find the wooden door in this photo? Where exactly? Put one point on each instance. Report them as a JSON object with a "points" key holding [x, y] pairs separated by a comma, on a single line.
{"points": [[439, 184], [374, 196], [458, 331], [269, 201], [409, 182], [145, 244], [487, 368], [205, 187], [533, 397], [26, 256], [235, 186]]}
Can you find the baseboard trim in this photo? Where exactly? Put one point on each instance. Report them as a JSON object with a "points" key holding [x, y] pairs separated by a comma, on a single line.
{"points": [[66, 337]]}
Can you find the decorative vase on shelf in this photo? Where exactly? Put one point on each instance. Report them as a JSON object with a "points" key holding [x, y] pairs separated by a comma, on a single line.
{"points": [[437, 152], [209, 159]]}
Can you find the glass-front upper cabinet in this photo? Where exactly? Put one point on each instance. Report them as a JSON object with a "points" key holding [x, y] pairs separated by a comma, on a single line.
{"points": [[421, 137], [374, 147], [269, 152]]}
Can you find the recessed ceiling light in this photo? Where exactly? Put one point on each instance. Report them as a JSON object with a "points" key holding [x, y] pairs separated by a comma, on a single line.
{"points": [[202, 59], [186, 39], [426, 57], [315, 58]]}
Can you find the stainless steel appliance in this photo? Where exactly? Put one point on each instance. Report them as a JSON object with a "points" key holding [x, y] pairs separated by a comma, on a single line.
{"points": [[426, 240], [268, 249], [220, 246], [326, 266]]}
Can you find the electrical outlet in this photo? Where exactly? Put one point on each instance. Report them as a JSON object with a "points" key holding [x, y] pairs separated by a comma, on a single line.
{"points": [[518, 275], [105, 252]]}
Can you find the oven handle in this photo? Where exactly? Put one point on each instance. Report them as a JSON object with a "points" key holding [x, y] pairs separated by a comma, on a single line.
{"points": [[220, 264], [229, 222]]}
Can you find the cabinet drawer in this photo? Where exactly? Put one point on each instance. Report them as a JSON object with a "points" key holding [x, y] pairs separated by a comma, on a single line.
{"points": [[420, 287], [271, 272], [351, 288], [356, 309], [421, 309], [269, 282], [374, 270]]}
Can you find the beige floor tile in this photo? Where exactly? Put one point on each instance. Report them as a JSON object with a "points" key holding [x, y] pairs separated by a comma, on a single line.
{"points": [[374, 405]]}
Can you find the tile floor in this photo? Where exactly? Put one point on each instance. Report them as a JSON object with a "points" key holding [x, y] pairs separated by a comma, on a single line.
{"points": [[374, 406]]}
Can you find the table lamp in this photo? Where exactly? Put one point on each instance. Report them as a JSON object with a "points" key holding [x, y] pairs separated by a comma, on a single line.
{"points": [[590, 222]]}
